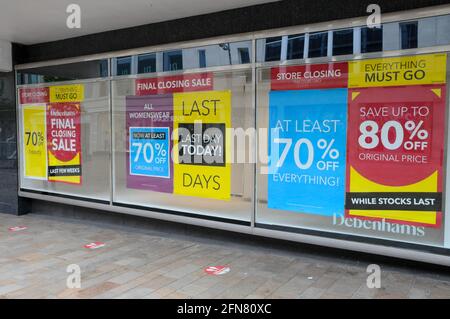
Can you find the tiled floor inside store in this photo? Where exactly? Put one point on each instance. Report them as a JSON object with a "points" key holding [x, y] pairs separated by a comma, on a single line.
{"points": [[137, 262]]}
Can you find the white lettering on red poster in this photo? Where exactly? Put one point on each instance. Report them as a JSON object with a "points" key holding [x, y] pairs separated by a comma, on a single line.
{"points": [[311, 76], [34, 95], [172, 84]]}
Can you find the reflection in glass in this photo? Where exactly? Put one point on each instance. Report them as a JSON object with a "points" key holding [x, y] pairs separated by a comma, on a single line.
{"points": [[343, 42], [202, 58], [147, 63], [371, 40], [173, 60], [318, 45], [123, 66], [296, 47], [409, 35], [273, 49]]}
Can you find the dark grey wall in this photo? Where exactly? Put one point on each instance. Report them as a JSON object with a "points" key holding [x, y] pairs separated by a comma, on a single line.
{"points": [[255, 18], [10, 203]]}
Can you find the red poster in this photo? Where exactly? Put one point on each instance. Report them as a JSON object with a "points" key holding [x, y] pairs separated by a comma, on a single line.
{"points": [[34, 95], [64, 142], [173, 84], [395, 154], [311, 76]]}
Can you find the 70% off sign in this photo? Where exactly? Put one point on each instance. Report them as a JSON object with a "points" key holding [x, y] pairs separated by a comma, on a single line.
{"points": [[147, 151], [329, 156]]}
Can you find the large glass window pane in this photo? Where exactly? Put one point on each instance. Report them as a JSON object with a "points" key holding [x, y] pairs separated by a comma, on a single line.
{"points": [[203, 179], [371, 40], [364, 175], [318, 45], [343, 42], [65, 139], [244, 55]]}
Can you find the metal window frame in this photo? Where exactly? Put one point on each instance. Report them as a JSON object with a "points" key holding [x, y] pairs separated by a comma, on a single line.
{"points": [[416, 252]]}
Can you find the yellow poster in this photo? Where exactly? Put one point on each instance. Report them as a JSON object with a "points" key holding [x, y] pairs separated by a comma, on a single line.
{"points": [[67, 93], [35, 141], [202, 149], [399, 71]]}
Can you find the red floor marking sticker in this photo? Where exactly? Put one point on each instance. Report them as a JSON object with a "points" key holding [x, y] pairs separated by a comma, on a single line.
{"points": [[17, 228], [95, 245], [217, 270]]}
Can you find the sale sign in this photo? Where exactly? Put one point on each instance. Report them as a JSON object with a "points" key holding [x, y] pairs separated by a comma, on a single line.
{"points": [[174, 84], [395, 154], [34, 141], [311, 76], [307, 149], [203, 144], [64, 142], [399, 71], [67, 93], [149, 128]]}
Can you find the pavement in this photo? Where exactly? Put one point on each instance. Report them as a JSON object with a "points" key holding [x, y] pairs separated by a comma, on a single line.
{"points": [[139, 262]]}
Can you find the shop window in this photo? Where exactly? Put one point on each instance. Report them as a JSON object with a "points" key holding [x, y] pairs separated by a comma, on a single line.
{"points": [[244, 55], [318, 45], [145, 173], [343, 42], [58, 157], [409, 35], [273, 49], [202, 58], [173, 60], [296, 47], [123, 66], [371, 40], [147, 63]]}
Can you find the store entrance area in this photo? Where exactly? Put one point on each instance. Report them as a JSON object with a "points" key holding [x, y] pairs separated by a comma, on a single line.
{"points": [[41, 255]]}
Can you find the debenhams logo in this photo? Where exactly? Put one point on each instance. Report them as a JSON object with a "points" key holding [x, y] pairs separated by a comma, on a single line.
{"points": [[381, 226]]}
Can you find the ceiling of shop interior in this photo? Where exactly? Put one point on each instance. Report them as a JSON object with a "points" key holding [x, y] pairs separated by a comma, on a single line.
{"points": [[36, 21]]}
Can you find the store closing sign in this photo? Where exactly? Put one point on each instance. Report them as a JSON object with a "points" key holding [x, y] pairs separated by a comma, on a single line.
{"points": [[311, 76], [307, 138], [33, 95], [64, 142], [203, 144]]}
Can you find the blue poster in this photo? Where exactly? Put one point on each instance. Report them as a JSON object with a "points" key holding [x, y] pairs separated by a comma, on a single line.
{"points": [[307, 151], [149, 151]]}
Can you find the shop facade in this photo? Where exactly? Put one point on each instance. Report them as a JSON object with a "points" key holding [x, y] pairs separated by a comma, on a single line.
{"points": [[331, 133]]}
